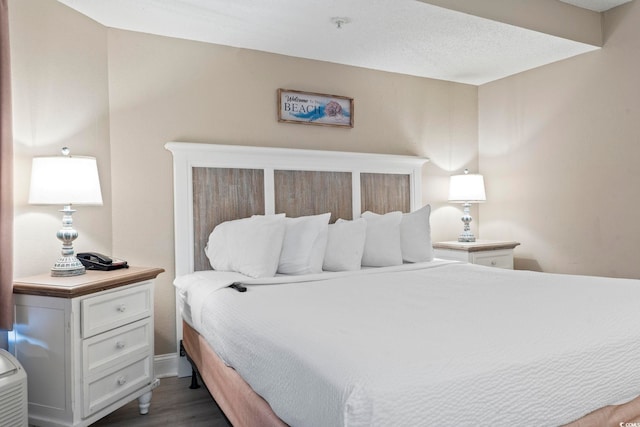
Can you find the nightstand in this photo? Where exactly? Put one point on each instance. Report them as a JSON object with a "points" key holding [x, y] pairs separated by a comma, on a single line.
{"points": [[492, 253], [85, 342]]}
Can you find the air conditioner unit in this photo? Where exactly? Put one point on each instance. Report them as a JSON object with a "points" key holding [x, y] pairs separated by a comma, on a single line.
{"points": [[13, 392]]}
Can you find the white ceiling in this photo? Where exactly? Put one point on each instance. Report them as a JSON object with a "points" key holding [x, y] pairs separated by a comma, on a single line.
{"points": [[400, 36]]}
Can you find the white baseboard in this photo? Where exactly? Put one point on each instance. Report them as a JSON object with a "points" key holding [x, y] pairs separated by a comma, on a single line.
{"points": [[171, 365], [166, 365]]}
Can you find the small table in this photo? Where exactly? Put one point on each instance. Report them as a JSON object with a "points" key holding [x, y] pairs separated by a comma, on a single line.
{"points": [[491, 253], [85, 342]]}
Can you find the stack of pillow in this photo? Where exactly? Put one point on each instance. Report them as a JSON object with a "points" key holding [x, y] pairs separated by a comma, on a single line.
{"points": [[264, 245]]}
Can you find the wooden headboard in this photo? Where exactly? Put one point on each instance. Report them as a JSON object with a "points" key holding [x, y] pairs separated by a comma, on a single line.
{"points": [[216, 183]]}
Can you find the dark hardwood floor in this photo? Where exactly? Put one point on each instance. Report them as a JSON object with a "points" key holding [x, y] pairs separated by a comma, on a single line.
{"points": [[173, 404]]}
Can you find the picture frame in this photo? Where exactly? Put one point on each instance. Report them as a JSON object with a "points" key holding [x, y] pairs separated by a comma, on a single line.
{"points": [[312, 108]]}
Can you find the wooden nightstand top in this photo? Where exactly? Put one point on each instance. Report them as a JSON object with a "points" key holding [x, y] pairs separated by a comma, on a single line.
{"points": [[88, 283], [478, 245]]}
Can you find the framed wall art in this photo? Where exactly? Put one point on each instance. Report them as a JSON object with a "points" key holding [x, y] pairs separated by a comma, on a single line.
{"points": [[314, 108]]}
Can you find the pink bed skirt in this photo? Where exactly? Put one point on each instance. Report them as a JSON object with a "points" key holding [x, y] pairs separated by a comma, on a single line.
{"points": [[242, 406]]}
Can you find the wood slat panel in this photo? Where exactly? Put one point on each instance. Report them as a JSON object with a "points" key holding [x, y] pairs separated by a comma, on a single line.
{"points": [[382, 193], [222, 194], [299, 193]]}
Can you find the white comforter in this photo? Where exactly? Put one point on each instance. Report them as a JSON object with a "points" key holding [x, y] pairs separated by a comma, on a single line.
{"points": [[439, 344]]}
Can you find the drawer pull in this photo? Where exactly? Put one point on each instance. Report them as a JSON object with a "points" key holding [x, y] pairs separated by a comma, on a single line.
{"points": [[122, 308], [122, 381], [493, 263], [120, 344]]}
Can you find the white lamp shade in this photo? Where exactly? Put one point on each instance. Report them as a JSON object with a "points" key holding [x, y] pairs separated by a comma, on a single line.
{"points": [[65, 180], [467, 188]]}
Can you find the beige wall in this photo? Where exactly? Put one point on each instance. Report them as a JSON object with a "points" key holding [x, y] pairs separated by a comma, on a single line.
{"points": [[60, 98], [120, 96], [164, 89], [559, 148]]}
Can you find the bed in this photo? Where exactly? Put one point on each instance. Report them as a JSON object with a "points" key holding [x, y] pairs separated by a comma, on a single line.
{"points": [[411, 342]]}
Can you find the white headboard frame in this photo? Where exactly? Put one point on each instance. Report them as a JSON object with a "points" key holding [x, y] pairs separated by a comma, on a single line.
{"points": [[187, 156]]}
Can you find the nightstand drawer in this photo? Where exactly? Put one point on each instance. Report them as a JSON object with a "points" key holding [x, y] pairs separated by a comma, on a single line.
{"points": [[111, 348], [111, 310], [101, 391], [490, 253], [494, 260]]}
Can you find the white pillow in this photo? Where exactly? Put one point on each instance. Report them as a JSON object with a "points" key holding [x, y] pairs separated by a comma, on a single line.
{"points": [[382, 246], [250, 246], [305, 240], [415, 236], [345, 245]]}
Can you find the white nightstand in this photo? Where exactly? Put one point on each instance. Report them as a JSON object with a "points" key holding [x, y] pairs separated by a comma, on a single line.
{"points": [[492, 253], [85, 342]]}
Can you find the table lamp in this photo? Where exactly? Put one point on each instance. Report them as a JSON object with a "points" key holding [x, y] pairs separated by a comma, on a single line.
{"points": [[65, 180], [466, 189]]}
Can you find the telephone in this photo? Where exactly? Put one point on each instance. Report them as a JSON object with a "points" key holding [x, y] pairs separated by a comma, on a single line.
{"points": [[96, 261]]}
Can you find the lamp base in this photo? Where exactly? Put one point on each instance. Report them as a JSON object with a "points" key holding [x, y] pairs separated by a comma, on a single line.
{"points": [[466, 235], [67, 266], [466, 238]]}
